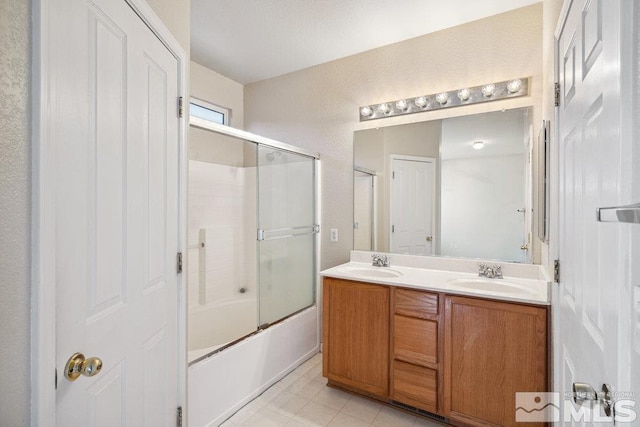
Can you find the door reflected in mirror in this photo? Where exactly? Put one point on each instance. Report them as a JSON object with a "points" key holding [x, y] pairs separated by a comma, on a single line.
{"points": [[458, 187]]}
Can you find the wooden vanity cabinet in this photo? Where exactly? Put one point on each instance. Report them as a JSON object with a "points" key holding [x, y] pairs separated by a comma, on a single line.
{"points": [[459, 357], [415, 349], [492, 350], [356, 336]]}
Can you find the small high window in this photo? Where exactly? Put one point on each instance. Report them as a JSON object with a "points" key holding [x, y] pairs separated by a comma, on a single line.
{"points": [[207, 111]]}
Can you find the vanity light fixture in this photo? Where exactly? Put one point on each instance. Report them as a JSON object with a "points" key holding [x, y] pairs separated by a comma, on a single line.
{"points": [[384, 108], [402, 105], [477, 145], [421, 102], [464, 94], [488, 90], [454, 98], [442, 98], [366, 112], [514, 85]]}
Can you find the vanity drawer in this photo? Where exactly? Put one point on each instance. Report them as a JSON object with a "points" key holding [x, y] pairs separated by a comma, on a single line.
{"points": [[415, 340], [415, 303], [416, 386]]}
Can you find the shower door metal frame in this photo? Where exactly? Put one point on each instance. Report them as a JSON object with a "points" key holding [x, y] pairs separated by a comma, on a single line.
{"points": [[252, 137], [317, 229]]}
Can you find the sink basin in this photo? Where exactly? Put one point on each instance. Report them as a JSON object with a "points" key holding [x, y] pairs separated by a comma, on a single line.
{"points": [[492, 285], [373, 272]]}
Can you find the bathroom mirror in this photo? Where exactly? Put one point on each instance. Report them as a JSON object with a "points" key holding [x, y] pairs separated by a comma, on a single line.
{"points": [[458, 187]]}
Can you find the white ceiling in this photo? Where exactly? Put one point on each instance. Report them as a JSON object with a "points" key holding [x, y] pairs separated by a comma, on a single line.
{"points": [[252, 40]]}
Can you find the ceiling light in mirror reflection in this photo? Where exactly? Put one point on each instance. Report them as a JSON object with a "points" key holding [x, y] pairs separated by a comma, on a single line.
{"points": [[478, 145]]}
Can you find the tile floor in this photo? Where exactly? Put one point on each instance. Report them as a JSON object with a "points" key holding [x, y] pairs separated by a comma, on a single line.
{"points": [[302, 398]]}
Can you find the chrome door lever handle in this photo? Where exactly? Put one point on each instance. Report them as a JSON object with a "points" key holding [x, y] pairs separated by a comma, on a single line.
{"points": [[629, 214]]}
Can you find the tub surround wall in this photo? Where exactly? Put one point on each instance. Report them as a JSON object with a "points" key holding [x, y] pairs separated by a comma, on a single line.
{"points": [[222, 255], [317, 108]]}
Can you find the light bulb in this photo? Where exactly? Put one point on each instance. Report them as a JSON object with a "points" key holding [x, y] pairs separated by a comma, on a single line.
{"points": [[366, 111], [442, 98], [464, 94], [478, 145], [421, 101], [514, 85], [488, 90], [401, 105], [384, 108]]}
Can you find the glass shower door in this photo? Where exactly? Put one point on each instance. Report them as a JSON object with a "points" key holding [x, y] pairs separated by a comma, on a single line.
{"points": [[286, 233]]}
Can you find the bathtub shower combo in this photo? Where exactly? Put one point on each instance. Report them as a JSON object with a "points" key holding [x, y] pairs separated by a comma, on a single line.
{"points": [[251, 273]]}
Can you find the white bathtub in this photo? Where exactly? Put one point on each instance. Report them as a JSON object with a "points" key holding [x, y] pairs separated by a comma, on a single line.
{"points": [[221, 384], [214, 325]]}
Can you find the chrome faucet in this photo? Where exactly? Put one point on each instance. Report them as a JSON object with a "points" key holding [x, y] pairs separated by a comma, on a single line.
{"points": [[490, 271], [379, 260]]}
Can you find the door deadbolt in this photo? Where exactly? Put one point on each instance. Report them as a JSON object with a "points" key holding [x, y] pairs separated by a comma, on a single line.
{"points": [[77, 365]]}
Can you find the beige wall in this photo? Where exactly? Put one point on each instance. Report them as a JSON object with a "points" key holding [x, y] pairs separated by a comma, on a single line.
{"points": [[15, 210], [215, 88], [176, 15], [317, 108]]}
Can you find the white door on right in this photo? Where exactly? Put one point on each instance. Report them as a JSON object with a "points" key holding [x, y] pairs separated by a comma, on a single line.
{"points": [[412, 203], [594, 308]]}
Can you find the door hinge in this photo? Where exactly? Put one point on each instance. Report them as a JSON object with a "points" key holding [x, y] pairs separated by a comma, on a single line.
{"points": [[393, 228], [179, 262], [556, 271], [179, 417], [180, 107], [393, 175], [56, 379], [556, 88]]}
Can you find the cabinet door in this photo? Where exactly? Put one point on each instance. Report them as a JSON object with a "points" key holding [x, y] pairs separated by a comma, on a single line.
{"points": [[492, 350], [356, 335]]}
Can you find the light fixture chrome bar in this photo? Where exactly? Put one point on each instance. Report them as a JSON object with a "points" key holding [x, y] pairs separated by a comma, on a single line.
{"points": [[455, 98]]}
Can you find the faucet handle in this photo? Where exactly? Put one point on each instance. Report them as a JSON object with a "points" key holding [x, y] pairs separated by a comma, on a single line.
{"points": [[482, 267], [497, 270]]}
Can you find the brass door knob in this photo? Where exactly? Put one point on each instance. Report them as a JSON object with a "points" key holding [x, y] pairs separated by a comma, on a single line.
{"points": [[77, 365], [429, 238]]}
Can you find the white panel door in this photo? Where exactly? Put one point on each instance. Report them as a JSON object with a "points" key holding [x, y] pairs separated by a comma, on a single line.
{"points": [[412, 203], [116, 218], [594, 148]]}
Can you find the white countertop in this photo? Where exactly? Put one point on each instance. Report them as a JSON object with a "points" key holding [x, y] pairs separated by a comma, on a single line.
{"points": [[529, 290]]}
